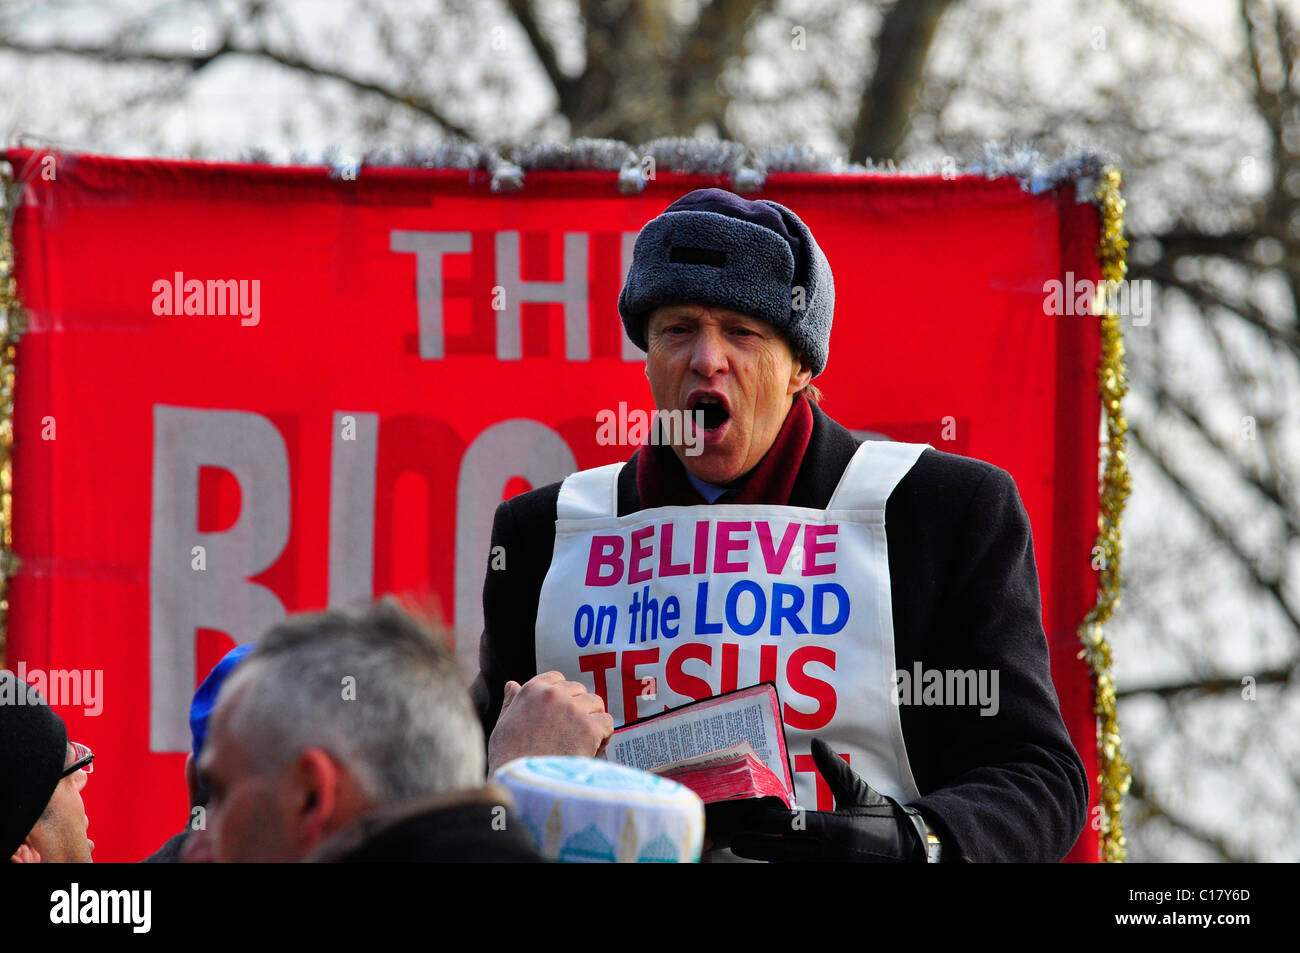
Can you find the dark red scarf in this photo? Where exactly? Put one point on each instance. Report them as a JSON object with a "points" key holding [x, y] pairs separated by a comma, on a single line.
{"points": [[661, 479]]}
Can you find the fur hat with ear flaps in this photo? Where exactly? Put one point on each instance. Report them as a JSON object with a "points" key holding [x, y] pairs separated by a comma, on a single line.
{"points": [[712, 247]]}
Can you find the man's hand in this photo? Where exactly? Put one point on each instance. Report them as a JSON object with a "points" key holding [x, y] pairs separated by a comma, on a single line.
{"points": [[865, 827], [548, 715]]}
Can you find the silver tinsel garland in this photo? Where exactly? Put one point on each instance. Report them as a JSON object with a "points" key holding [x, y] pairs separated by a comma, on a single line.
{"points": [[746, 166]]}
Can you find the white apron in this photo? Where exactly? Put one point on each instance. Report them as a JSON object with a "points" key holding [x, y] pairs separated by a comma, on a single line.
{"points": [[668, 605]]}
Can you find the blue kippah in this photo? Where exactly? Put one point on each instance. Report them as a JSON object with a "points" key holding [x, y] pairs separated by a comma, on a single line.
{"points": [[714, 248], [205, 698]]}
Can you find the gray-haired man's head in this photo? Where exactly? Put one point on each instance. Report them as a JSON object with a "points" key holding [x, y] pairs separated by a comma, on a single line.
{"points": [[333, 714]]}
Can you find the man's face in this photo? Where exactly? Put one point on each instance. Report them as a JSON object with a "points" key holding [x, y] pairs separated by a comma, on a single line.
{"points": [[60, 835], [246, 817], [740, 371]]}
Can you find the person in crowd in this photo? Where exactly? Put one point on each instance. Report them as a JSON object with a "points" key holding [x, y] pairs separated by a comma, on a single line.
{"points": [[42, 774], [881, 557], [205, 697], [347, 736]]}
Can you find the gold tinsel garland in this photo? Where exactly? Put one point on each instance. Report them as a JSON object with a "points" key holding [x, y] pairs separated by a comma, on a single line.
{"points": [[11, 326], [1115, 771]]}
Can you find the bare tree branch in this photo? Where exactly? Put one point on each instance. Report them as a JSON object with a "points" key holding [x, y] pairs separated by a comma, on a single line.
{"points": [[1206, 295], [1216, 843], [1211, 686], [719, 35], [1272, 586], [104, 54], [891, 97], [200, 60], [566, 87], [1178, 242], [1165, 398]]}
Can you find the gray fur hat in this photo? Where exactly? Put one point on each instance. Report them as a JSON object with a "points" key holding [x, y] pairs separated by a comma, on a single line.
{"points": [[713, 247]]}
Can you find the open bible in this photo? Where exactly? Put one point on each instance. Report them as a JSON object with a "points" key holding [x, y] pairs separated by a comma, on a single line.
{"points": [[727, 748]]}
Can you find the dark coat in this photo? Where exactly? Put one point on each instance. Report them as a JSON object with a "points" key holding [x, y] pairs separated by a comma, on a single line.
{"points": [[965, 595], [170, 851], [462, 827]]}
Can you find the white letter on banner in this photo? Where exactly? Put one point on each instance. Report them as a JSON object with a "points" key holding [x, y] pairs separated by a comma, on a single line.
{"points": [[523, 448], [429, 247], [572, 293], [352, 507], [222, 598]]}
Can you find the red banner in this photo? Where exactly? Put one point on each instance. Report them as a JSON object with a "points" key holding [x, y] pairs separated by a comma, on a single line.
{"points": [[248, 390]]}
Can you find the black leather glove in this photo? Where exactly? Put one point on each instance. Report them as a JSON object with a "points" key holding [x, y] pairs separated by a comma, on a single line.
{"points": [[866, 827]]}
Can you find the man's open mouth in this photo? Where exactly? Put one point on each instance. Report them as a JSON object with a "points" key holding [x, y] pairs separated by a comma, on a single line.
{"points": [[712, 408]]}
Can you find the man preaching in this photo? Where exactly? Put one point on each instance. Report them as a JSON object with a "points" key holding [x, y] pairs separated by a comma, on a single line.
{"points": [[782, 549]]}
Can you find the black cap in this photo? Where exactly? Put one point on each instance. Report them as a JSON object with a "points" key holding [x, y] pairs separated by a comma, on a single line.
{"points": [[33, 752]]}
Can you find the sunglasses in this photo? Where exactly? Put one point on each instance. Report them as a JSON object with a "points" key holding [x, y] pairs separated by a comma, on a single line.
{"points": [[83, 755]]}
